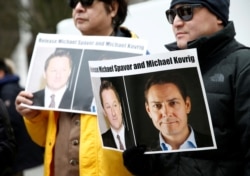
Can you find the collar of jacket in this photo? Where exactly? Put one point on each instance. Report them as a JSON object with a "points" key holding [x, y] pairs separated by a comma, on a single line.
{"points": [[125, 32]]}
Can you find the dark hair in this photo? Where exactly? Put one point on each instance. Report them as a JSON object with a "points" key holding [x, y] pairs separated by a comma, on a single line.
{"points": [[163, 78], [121, 12], [105, 85], [58, 53], [5, 67]]}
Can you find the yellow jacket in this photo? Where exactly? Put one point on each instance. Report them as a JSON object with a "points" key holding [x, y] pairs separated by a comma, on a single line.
{"points": [[94, 160]]}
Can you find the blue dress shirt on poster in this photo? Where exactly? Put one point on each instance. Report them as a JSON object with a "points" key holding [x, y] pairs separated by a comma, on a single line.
{"points": [[188, 144]]}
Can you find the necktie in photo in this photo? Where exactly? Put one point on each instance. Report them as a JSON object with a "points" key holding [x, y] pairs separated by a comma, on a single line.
{"points": [[52, 103], [164, 147], [120, 142]]}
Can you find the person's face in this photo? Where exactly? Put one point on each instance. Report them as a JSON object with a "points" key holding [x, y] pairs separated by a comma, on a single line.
{"points": [[167, 109], [112, 108], [94, 20], [203, 23], [57, 72]]}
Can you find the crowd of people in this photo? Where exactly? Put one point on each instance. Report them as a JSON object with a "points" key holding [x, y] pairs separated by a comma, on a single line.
{"points": [[70, 143]]}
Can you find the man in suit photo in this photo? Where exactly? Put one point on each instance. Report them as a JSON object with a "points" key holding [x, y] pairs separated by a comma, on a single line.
{"points": [[57, 71], [168, 104], [118, 135]]}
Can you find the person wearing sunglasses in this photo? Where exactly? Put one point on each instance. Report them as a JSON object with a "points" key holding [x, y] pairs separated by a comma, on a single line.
{"points": [[72, 141], [100, 17], [225, 68]]}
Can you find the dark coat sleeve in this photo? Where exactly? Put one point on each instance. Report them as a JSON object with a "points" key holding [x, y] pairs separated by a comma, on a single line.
{"points": [[7, 141], [28, 153]]}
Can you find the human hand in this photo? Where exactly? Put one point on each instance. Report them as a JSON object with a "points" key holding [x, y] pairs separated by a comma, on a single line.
{"points": [[137, 162], [25, 98]]}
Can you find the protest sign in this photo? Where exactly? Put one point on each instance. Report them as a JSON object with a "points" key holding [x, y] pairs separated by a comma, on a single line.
{"points": [[68, 79], [145, 111]]}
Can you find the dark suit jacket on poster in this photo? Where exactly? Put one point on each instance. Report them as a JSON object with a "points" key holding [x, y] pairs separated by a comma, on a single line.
{"points": [[38, 99], [109, 141], [201, 140]]}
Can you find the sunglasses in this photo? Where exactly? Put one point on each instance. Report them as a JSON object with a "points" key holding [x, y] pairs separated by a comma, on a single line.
{"points": [[184, 12], [85, 3]]}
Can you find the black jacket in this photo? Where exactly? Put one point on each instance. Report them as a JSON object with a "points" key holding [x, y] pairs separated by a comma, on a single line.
{"points": [[29, 154], [7, 142], [225, 67], [109, 141]]}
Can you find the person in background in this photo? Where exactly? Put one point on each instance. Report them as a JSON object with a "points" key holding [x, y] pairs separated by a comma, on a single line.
{"points": [[29, 154], [118, 135], [72, 141], [7, 142], [225, 68]]}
